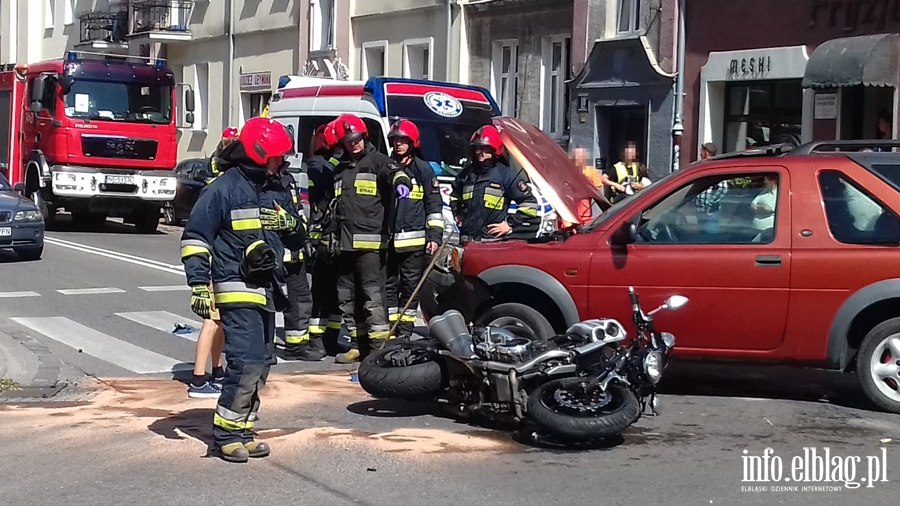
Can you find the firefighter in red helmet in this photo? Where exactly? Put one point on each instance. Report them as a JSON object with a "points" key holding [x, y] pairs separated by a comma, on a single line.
{"points": [[418, 227], [365, 187], [229, 135], [483, 191], [235, 238]]}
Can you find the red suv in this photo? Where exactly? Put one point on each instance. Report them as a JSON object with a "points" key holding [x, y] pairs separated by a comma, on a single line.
{"points": [[786, 257]]}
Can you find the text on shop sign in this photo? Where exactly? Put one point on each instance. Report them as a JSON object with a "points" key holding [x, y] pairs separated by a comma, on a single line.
{"points": [[753, 67], [257, 81], [851, 15]]}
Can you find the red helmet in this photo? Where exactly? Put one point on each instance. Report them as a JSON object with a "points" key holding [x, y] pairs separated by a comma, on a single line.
{"points": [[230, 134], [405, 128], [321, 142], [349, 127], [264, 138], [488, 136], [330, 136]]}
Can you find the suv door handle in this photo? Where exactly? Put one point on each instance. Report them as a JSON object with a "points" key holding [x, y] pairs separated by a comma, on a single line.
{"points": [[768, 261]]}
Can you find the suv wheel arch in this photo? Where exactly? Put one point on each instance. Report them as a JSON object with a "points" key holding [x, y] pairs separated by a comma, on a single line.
{"points": [[858, 315], [536, 283]]}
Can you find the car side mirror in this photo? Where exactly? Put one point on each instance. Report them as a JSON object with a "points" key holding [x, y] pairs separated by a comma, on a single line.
{"points": [[625, 235], [66, 83], [19, 188]]}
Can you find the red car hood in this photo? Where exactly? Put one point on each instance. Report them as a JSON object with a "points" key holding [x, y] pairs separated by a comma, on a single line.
{"points": [[549, 167]]}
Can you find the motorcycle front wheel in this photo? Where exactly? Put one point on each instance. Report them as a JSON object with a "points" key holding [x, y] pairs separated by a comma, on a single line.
{"points": [[403, 370], [567, 408]]}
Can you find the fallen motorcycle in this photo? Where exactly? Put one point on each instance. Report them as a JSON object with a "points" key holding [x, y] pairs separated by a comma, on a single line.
{"points": [[590, 383]]}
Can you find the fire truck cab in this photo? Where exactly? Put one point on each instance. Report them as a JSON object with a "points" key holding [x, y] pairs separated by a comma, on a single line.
{"points": [[92, 134]]}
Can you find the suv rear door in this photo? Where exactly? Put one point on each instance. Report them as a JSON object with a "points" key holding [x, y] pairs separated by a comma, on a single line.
{"points": [[733, 263]]}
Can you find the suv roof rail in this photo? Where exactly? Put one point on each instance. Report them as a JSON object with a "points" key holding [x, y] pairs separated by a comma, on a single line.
{"points": [[837, 146], [769, 150]]}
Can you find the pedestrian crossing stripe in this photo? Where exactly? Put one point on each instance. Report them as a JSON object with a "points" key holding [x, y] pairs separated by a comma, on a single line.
{"points": [[121, 353]]}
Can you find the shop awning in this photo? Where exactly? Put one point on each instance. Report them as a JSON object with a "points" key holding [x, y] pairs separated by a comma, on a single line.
{"points": [[870, 60]]}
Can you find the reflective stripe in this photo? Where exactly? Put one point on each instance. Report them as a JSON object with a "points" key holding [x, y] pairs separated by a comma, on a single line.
{"points": [[366, 241], [435, 220], [338, 188], [417, 193], [467, 192], [253, 246], [366, 184], [287, 258], [398, 176], [409, 239], [229, 414], [296, 337], [528, 209], [393, 317], [493, 199], [334, 161], [191, 247], [243, 214], [219, 421], [408, 319], [380, 335], [251, 224], [334, 322], [315, 235], [232, 292], [317, 325]]}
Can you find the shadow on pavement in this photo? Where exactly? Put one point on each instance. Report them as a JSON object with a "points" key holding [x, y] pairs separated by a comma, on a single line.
{"points": [[64, 223], [389, 408], [10, 257], [195, 423], [768, 382]]}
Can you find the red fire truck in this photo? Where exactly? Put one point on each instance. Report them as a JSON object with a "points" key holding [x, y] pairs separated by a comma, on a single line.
{"points": [[93, 134]]}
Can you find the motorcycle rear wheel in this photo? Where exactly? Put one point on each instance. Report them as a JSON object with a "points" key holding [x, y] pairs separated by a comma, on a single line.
{"points": [[401, 371], [566, 410]]}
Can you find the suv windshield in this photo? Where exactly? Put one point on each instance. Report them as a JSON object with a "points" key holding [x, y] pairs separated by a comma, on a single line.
{"points": [[618, 206], [445, 141], [112, 101]]}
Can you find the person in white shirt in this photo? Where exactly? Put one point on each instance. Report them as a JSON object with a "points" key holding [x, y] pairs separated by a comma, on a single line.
{"points": [[763, 207]]}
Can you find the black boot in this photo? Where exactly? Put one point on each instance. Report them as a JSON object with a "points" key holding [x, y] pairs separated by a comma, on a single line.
{"points": [[309, 351]]}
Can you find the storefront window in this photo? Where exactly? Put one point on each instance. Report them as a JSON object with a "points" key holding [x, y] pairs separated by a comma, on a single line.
{"points": [[761, 113]]}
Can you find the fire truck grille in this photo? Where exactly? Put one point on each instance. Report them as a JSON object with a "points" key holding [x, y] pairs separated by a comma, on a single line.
{"points": [[118, 147]]}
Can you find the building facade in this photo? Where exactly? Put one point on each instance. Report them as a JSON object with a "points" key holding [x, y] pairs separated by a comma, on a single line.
{"points": [[521, 51], [623, 92], [767, 74]]}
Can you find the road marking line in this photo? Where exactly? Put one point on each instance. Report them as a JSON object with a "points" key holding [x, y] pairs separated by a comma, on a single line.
{"points": [[169, 288], [16, 295], [163, 321], [117, 256], [119, 253], [90, 291], [101, 346]]}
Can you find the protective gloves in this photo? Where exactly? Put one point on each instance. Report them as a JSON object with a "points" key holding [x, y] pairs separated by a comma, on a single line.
{"points": [[258, 264], [201, 302], [278, 219], [403, 191]]}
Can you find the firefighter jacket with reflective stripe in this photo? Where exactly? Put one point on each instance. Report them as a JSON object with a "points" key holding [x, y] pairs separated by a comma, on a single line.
{"points": [[293, 243], [481, 198], [419, 219], [364, 192], [320, 174], [224, 225]]}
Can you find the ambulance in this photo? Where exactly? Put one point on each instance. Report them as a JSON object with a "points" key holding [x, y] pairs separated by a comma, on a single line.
{"points": [[446, 114]]}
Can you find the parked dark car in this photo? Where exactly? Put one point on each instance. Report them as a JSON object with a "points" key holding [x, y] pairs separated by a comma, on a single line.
{"points": [[21, 224], [192, 176]]}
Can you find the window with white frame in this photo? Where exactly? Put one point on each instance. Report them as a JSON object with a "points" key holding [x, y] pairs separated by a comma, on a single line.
{"points": [[69, 11], [554, 92], [321, 24], [629, 16], [417, 58], [49, 14], [201, 96], [374, 59], [504, 82]]}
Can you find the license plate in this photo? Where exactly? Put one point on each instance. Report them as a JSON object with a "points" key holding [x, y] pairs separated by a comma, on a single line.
{"points": [[119, 180], [5, 231]]}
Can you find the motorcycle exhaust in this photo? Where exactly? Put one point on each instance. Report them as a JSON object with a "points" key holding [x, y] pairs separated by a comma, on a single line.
{"points": [[450, 330]]}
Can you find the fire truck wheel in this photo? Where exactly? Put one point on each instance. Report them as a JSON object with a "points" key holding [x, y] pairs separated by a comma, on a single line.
{"points": [[147, 220]]}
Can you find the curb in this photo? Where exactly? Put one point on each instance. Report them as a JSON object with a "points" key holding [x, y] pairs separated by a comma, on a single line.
{"points": [[48, 369]]}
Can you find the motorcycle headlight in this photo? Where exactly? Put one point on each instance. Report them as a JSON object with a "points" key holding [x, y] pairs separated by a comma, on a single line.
{"points": [[653, 365]]}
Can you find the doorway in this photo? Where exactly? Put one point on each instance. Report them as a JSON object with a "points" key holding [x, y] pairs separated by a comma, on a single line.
{"points": [[861, 107], [616, 126]]}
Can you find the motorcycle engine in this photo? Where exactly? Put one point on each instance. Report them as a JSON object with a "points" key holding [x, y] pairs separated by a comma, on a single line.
{"points": [[502, 345]]}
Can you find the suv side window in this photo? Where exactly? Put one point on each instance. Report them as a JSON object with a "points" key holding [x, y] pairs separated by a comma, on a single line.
{"points": [[854, 215], [724, 209]]}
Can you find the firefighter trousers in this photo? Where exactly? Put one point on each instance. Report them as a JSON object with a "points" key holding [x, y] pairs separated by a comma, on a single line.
{"points": [[360, 287], [297, 316], [249, 352], [404, 270], [325, 321]]}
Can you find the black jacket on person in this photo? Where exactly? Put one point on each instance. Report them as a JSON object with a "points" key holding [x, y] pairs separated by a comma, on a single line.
{"points": [[481, 197], [320, 173], [364, 192], [419, 218]]}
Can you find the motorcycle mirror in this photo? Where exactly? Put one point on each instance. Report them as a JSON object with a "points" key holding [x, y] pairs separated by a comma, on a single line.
{"points": [[676, 302]]}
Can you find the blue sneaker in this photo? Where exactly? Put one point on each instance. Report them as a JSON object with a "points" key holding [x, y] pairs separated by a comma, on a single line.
{"points": [[217, 382], [204, 391]]}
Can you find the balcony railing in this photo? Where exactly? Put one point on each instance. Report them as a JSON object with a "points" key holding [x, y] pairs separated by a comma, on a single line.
{"points": [[159, 19]]}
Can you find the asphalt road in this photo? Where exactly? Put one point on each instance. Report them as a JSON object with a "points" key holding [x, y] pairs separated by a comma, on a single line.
{"points": [[139, 440]]}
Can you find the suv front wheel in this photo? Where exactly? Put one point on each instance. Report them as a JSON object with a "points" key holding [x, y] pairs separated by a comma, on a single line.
{"points": [[519, 315], [878, 365]]}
